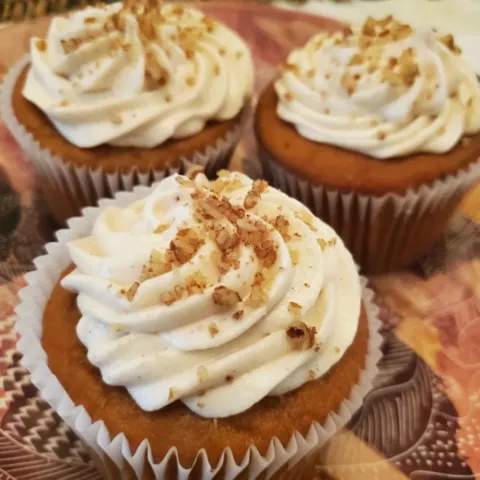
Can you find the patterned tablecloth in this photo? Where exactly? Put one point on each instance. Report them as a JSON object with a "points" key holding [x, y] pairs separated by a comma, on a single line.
{"points": [[422, 419]]}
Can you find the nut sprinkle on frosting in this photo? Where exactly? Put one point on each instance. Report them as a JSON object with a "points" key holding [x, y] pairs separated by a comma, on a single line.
{"points": [[382, 88], [202, 277]]}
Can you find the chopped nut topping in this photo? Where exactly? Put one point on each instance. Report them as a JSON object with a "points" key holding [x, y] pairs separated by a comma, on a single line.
{"points": [[282, 225], [348, 83], [222, 51], [89, 20], [449, 42], [161, 228], [171, 394], [156, 266], [190, 81], [194, 171], [294, 256], [306, 218], [185, 245], [64, 103], [311, 375], [239, 54], [253, 196], [310, 73], [116, 119], [336, 350], [202, 373], [301, 335], [288, 96], [229, 378], [381, 135], [257, 297], [213, 329], [357, 59], [185, 182], [132, 291], [295, 309], [200, 404], [194, 284], [225, 296], [238, 315], [41, 45], [326, 243]]}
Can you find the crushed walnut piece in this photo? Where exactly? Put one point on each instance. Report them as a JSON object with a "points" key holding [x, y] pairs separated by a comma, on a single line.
{"points": [[194, 284], [301, 335], [213, 329], [172, 394], [226, 297], [257, 297], [294, 256], [254, 195], [184, 182], [41, 45], [307, 218], [194, 171], [116, 119], [202, 373], [281, 224], [156, 266], [295, 309], [449, 42], [161, 228], [326, 243], [130, 294], [238, 315], [348, 83], [185, 245]]}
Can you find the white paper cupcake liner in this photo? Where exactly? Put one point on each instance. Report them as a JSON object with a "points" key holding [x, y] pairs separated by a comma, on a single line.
{"points": [[115, 453], [82, 186], [385, 232]]}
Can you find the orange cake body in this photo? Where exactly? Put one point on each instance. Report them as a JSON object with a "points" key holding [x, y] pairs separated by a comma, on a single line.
{"points": [[377, 129]]}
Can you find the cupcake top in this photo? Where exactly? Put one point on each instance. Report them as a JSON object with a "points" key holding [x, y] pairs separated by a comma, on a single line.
{"points": [[137, 75], [382, 89], [213, 293]]}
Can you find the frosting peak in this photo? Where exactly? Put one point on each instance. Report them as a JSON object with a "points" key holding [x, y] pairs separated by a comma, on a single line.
{"points": [[214, 293], [137, 75], [383, 89]]}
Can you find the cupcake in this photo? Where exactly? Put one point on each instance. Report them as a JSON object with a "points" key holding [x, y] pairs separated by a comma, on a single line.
{"points": [[377, 130], [191, 316], [125, 94]]}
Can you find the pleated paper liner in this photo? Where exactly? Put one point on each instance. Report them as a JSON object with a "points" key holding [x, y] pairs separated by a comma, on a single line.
{"points": [[384, 233], [113, 456], [68, 188]]}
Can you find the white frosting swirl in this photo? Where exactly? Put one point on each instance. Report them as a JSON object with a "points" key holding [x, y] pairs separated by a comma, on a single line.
{"points": [[384, 90], [133, 78], [219, 358]]}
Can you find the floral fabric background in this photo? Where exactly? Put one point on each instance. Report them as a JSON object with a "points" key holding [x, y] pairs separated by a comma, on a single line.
{"points": [[421, 420]]}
